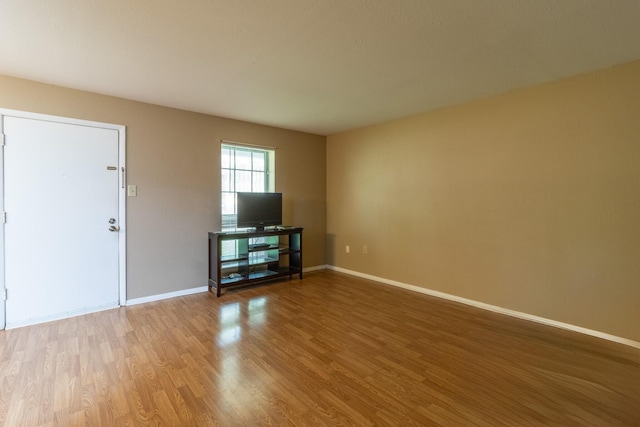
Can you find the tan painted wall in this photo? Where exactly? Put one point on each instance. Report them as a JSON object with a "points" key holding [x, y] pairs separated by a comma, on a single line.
{"points": [[529, 201], [174, 158]]}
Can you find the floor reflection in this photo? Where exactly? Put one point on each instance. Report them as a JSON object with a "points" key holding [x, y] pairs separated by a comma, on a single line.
{"points": [[257, 311], [231, 319], [236, 318], [230, 330]]}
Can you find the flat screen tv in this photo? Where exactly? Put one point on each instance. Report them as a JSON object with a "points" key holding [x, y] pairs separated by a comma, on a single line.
{"points": [[259, 210]]}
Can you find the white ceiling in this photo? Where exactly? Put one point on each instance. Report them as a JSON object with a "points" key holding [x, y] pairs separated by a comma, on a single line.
{"points": [[319, 66]]}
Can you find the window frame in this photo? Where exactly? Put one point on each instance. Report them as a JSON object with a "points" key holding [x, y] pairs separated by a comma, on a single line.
{"points": [[229, 184]]}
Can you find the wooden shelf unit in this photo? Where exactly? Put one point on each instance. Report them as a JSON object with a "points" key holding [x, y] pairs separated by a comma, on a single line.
{"points": [[257, 256]]}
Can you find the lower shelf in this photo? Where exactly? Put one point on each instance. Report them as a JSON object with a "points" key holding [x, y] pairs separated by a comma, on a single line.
{"points": [[254, 277]]}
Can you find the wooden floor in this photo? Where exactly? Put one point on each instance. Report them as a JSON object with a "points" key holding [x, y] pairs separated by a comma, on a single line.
{"points": [[328, 350]]}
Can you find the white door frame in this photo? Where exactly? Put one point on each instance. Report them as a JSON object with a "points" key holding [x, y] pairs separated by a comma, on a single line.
{"points": [[122, 197]]}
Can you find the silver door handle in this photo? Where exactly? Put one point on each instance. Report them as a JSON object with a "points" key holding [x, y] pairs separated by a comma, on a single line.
{"points": [[114, 228]]}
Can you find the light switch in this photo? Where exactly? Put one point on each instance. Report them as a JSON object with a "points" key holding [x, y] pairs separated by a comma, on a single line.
{"points": [[132, 190]]}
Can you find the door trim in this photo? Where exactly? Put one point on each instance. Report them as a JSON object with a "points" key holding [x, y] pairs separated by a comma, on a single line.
{"points": [[122, 194]]}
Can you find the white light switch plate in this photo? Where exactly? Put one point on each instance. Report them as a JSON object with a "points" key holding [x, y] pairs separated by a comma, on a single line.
{"points": [[132, 190]]}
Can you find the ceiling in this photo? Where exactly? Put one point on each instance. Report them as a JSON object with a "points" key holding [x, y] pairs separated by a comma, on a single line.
{"points": [[318, 66]]}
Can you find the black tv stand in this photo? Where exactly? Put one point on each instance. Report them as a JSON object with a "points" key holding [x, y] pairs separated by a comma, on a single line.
{"points": [[259, 255]]}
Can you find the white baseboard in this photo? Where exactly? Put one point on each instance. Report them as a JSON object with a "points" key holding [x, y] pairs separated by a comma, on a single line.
{"points": [[60, 316], [168, 295], [314, 268], [490, 307]]}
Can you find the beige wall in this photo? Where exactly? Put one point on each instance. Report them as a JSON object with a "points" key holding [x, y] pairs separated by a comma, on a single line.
{"points": [[174, 158], [529, 201]]}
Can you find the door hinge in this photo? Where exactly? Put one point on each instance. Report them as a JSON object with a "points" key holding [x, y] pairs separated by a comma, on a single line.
{"points": [[4, 217], [4, 294], [2, 139]]}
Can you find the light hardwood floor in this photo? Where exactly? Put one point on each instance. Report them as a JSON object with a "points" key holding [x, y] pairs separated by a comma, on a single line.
{"points": [[330, 349]]}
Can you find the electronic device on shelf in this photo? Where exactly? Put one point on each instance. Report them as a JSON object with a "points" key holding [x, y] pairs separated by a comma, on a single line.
{"points": [[259, 210], [259, 246]]}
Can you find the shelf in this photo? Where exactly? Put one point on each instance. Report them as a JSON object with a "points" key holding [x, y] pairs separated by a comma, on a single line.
{"points": [[233, 258], [248, 234], [231, 280], [262, 255], [263, 248], [287, 251], [280, 248], [259, 260], [261, 275]]}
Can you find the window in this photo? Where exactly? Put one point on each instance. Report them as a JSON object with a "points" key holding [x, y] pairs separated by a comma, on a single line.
{"points": [[244, 169]]}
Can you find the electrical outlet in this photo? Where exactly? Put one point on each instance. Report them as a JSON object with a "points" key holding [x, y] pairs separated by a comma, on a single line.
{"points": [[365, 250], [347, 249]]}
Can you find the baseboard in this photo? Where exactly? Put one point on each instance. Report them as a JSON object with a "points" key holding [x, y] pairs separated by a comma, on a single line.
{"points": [[61, 316], [168, 295], [490, 307], [314, 268]]}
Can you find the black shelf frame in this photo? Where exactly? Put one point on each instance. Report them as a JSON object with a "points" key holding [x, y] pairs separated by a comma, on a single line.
{"points": [[253, 264]]}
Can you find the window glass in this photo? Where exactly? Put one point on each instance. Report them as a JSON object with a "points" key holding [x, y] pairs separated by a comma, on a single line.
{"points": [[227, 180], [243, 159], [258, 161], [243, 181]]}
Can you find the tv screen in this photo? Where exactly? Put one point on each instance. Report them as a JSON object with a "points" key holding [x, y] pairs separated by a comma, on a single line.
{"points": [[259, 210]]}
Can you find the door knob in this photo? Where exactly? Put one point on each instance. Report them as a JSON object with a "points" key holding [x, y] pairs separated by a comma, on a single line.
{"points": [[114, 228]]}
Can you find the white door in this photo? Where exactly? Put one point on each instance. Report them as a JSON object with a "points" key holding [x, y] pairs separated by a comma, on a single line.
{"points": [[61, 196]]}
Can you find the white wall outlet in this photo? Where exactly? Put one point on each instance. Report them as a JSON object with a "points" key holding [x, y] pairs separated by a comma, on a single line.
{"points": [[365, 249], [347, 249], [132, 190]]}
